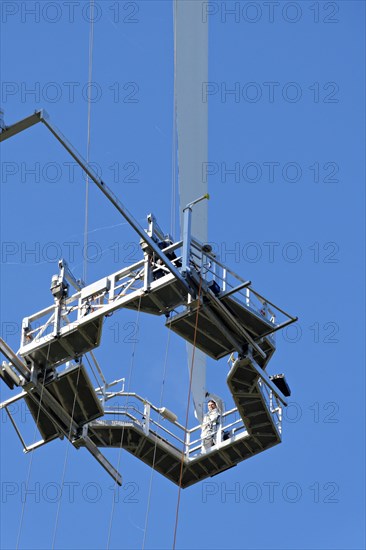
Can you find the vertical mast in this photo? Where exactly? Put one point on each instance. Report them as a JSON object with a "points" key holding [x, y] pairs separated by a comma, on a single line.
{"points": [[191, 70]]}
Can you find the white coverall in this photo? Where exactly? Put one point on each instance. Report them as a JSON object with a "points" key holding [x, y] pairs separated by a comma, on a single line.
{"points": [[209, 429]]}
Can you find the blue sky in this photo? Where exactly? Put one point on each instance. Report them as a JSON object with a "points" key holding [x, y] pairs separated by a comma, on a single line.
{"points": [[290, 218]]}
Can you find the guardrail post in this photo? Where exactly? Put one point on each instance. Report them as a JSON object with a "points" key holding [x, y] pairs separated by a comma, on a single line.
{"points": [[147, 272], [147, 411], [187, 440], [224, 281], [187, 213], [279, 418], [219, 434]]}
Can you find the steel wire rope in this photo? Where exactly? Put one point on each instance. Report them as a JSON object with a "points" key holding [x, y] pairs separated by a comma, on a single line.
{"points": [[98, 382], [85, 264], [90, 73], [156, 440], [173, 206], [31, 458], [132, 364], [66, 458], [187, 414]]}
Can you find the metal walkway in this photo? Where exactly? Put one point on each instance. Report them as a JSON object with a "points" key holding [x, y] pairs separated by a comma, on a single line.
{"points": [[188, 284], [232, 315], [257, 429], [231, 318], [61, 404]]}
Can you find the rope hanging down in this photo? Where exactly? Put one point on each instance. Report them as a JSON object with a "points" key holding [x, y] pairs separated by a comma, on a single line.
{"points": [[187, 412], [90, 72], [31, 458], [173, 206], [91, 40], [65, 460], [90, 68], [173, 212], [156, 441], [132, 364]]}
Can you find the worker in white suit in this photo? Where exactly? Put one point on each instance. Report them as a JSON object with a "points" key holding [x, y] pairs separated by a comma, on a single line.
{"points": [[210, 425]]}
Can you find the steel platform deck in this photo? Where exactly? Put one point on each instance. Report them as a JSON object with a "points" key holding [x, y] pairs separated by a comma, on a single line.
{"points": [[157, 452], [73, 341], [166, 459], [244, 386], [67, 405], [214, 334], [73, 392], [164, 295]]}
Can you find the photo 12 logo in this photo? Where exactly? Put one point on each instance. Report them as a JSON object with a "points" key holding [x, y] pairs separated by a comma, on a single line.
{"points": [[53, 172], [270, 92], [270, 12], [71, 11], [270, 492], [270, 171], [69, 92], [72, 492], [291, 252]]}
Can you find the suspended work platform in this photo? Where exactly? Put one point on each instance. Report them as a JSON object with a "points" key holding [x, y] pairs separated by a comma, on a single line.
{"points": [[70, 391], [70, 343], [203, 301], [253, 427], [61, 404], [225, 313], [220, 325], [66, 405]]}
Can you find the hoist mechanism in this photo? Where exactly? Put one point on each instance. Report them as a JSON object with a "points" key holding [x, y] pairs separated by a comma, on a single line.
{"points": [[203, 301]]}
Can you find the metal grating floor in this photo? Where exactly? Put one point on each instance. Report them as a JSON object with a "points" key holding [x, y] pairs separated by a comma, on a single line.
{"points": [[74, 392], [156, 451]]}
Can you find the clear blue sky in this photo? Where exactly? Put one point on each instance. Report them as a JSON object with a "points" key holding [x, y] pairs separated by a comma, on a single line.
{"points": [[292, 214]]}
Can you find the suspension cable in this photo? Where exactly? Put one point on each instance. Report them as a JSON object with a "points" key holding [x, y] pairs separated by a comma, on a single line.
{"points": [[90, 72], [66, 458], [173, 212], [173, 206], [85, 259], [31, 458], [156, 440], [132, 364], [187, 413]]}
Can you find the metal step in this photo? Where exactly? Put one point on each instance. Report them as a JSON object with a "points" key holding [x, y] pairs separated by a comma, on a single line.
{"points": [[74, 393], [254, 409], [158, 453], [214, 334], [73, 341], [166, 459], [164, 295]]}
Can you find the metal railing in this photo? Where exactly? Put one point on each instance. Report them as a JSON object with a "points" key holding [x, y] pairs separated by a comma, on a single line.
{"points": [[230, 283], [273, 405], [115, 291], [165, 425], [96, 299]]}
